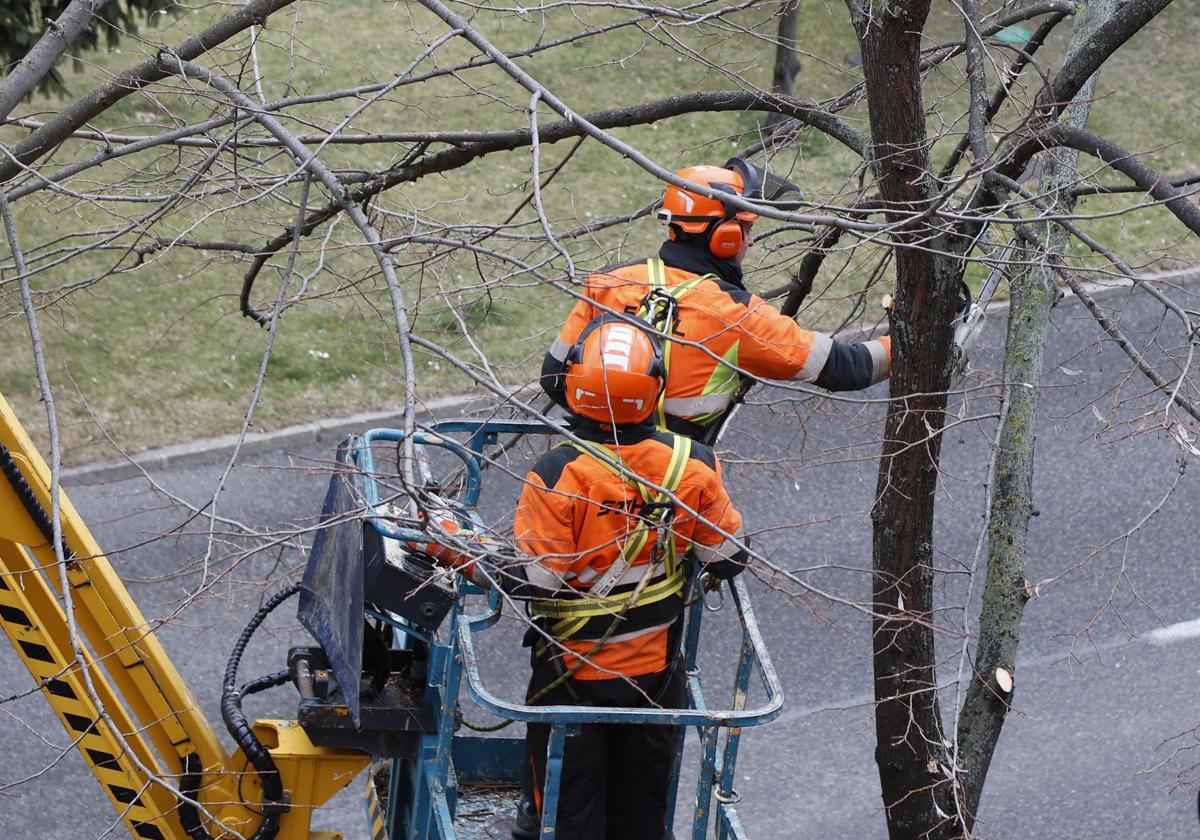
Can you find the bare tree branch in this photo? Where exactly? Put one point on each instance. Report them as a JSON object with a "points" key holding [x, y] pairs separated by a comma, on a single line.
{"points": [[60, 34], [305, 159], [101, 98], [1117, 189], [990, 690], [709, 101], [1001, 95], [1128, 20], [1062, 134]]}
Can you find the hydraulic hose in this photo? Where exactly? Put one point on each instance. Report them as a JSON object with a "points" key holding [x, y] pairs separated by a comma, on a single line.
{"points": [[189, 787], [274, 800]]}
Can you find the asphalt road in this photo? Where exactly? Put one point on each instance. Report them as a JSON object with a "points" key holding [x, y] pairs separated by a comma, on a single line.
{"points": [[1106, 684]]}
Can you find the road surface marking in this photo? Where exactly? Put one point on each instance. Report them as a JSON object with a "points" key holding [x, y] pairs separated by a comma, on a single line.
{"points": [[1177, 632]]}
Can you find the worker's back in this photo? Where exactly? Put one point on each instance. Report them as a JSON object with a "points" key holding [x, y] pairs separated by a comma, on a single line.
{"points": [[593, 527]]}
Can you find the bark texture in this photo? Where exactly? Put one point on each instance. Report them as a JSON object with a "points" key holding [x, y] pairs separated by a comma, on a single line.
{"points": [[1034, 292], [30, 70], [917, 792]]}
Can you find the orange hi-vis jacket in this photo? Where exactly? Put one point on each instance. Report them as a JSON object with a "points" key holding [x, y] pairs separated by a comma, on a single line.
{"points": [[578, 522], [721, 331]]}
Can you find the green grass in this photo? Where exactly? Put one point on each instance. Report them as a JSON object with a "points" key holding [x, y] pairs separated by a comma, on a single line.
{"points": [[160, 353]]}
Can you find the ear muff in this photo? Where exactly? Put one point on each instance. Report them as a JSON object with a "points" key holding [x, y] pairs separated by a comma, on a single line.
{"points": [[725, 239], [575, 352]]}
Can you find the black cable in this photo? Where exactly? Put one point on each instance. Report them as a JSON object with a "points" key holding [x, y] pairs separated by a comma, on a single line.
{"points": [[268, 681], [253, 687], [274, 801], [238, 726], [189, 787], [28, 498]]}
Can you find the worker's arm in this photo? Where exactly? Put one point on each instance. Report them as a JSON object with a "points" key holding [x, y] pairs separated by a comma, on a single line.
{"points": [[776, 347], [526, 578], [851, 367], [720, 556], [543, 527], [554, 366]]}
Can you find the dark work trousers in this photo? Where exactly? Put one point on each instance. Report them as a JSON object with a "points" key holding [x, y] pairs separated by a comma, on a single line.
{"points": [[615, 777]]}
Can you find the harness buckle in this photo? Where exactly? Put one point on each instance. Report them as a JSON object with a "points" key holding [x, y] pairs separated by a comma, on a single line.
{"points": [[710, 585], [665, 511], [660, 308]]}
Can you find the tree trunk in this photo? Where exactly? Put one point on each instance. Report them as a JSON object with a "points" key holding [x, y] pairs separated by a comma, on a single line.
{"points": [[787, 62], [917, 793], [1034, 293]]}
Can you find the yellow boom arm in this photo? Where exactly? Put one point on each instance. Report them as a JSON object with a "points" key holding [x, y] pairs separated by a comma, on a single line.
{"points": [[113, 687]]}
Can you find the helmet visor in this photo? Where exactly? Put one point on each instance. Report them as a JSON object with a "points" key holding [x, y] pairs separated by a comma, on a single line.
{"points": [[761, 185]]}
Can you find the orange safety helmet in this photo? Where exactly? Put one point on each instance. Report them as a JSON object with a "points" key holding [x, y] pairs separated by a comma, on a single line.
{"points": [[692, 213], [615, 371]]}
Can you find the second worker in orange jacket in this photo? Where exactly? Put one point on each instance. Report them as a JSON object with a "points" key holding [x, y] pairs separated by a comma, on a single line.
{"points": [[723, 332]]}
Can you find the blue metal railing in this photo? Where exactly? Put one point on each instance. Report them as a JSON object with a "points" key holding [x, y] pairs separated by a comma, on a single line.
{"points": [[423, 791]]}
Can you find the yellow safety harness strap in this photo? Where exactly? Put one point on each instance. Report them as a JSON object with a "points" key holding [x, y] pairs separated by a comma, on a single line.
{"points": [[657, 272], [591, 604], [665, 322], [586, 607]]}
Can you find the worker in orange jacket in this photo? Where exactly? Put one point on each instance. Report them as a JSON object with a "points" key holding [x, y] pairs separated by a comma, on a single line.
{"points": [[603, 527], [723, 336]]}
